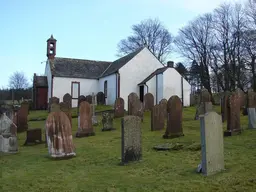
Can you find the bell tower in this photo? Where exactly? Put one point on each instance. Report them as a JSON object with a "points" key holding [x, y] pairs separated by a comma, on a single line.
{"points": [[51, 47]]}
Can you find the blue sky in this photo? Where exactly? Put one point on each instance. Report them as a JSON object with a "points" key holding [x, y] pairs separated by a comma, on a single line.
{"points": [[84, 29]]}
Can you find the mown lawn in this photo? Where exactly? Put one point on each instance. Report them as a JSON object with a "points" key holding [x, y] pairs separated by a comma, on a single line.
{"points": [[96, 167]]}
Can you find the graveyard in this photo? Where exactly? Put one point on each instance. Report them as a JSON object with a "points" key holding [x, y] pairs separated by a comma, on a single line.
{"points": [[96, 166]]}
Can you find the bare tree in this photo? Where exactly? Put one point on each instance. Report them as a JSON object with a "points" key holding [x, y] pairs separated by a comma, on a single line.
{"points": [[153, 34], [18, 80]]}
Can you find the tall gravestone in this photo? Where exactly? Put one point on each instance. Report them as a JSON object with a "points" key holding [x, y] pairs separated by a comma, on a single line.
{"points": [[174, 119], [88, 98], [224, 105], [81, 98], [163, 103], [67, 98], [251, 108], [107, 122], [148, 101], [59, 136], [212, 148], [131, 139], [157, 118], [65, 107], [8, 135], [135, 106], [119, 108], [22, 117], [101, 98], [94, 117], [205, 104], [85, 127], [233, 118]]}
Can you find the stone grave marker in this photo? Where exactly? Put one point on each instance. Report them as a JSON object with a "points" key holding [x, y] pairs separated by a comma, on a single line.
{"points": [[163, 102], [8, 135], [224, 105], [148, 101], [94, 117], [251, 108], [241, 96], [81, 98], [119, 108], [55, 107], [101, 98], [205, 104], [59, 136], [135, 106], [53, 100], [67, 98], [85, 127], [34, 136], [131, 139], [22, 118], [107, 122], [233, 118], [174, 119], [212, 147], [65, 107], [88, 98], [157, 118]]}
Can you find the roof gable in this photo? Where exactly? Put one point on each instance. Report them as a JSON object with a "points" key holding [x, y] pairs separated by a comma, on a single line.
{"points": [[156, 72]]}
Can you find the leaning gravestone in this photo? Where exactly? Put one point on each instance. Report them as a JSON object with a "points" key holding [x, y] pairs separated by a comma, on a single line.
{"points": [[119, 108], [67, 98], [22, 117], [163, 103], [101, 98], [157, 118], [224, 105], [211, 143], [131, 139], [8, 135], [59, 135], [174, 119], [251, 107], [148, 101], [85, 127], [233, 118], [65, 107], [107, 122], [88, 98]]}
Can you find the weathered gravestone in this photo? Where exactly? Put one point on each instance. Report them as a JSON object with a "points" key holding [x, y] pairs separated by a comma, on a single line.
{"points": [[53, 100], [205, 104], [101, 98], [212, 148], [8, 135], [107, 122], [59, 135], [81, 98], [174, 119], [148, 101], [224, 105], [65, 107], [157, 118], [55, 107], [22, 117], [34, 136], [88, 98], [251, 107], [67, 98], [135, 106], [94, 117], [85, 127], [131, 139], [163, 103], [119, 108], [233, 118]]}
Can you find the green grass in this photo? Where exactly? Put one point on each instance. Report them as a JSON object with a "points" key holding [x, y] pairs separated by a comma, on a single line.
{"points": [[96, 166]]}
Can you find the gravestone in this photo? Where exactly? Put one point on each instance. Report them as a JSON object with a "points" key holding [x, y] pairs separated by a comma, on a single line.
{"points": [[205, 104], [85, 127], [174, 119], [107, 122], [212, 147], [131, 139], [119, 108], [101, 98], [59, 136], [157, 118], [55, 107], [88, 98], [81, 98], [163, 103], [8, 135], [65, 107], [53, 100], [94, 117], [22, 118], [34, 136], [67, 98], [241, 96], [224, 105], [148, 101], [135, 106], [233, 118], [251, 108]]}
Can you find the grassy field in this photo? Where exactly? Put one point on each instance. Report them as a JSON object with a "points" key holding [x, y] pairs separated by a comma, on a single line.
{"points": [[96, 166]]}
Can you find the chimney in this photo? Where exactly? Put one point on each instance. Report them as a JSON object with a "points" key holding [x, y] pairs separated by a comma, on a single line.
{"points": [[170, 64], [51, 47]]}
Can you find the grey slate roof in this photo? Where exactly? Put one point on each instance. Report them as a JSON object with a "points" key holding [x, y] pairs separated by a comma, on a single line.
{"points": [[41, 81], [156, 72], [77, 68], [117, 64]]}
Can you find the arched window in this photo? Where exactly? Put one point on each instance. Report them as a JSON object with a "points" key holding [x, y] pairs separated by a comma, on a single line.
{"points": [[105, 88]]}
